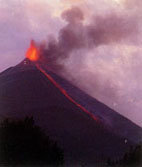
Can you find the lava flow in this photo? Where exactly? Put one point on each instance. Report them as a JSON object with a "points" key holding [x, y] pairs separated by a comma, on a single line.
{"points": [[32, 54]]}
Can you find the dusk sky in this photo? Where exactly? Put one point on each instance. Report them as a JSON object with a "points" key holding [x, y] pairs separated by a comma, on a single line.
{"points": [[110, 70]]}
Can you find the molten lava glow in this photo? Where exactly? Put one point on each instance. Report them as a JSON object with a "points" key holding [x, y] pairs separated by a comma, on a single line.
{"points": [[32, 52], [66, 94], [32, 55]]}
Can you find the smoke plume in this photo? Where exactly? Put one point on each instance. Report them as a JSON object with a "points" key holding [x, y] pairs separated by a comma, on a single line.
{"points": [[76, 35], [94, 50]]}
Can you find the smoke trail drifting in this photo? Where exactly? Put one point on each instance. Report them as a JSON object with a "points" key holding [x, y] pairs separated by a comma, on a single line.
{"points": [[76, 35], [93, 50]]}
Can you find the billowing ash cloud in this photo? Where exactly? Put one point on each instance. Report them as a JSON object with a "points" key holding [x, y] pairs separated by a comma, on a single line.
{"points": [[97, 55], [76, 35]]}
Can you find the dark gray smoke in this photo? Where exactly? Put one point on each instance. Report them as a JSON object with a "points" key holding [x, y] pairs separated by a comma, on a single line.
{"points": [[103, 30], [88, 53]]}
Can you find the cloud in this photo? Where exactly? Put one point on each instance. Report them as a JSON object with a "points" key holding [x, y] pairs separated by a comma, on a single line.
{"points": [[133, 3], [102, 30]]}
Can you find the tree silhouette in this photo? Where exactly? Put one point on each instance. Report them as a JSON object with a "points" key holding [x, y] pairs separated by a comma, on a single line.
{"points": [[133, 158], [23, 143]]}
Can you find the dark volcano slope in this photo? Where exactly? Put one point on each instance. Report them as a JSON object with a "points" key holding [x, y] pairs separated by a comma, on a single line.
{"points": [[25, 91], [111, 119]]}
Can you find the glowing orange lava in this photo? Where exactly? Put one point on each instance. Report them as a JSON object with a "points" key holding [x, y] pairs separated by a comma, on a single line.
{"points": [[66, 94], [32, 52], [33, 55]]}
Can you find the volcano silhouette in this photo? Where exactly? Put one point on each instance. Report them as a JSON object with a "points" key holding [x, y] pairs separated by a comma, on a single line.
{"points": [[25, 91]]}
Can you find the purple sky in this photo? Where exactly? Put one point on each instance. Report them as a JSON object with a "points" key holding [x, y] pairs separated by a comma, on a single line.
{"points": [[109, 68]]}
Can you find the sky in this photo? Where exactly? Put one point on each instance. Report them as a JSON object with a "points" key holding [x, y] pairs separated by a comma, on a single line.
{"points": [[101, 41]]}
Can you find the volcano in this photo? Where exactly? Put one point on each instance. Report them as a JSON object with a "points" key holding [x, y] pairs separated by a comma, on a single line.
{"points": [[26, 91]]}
